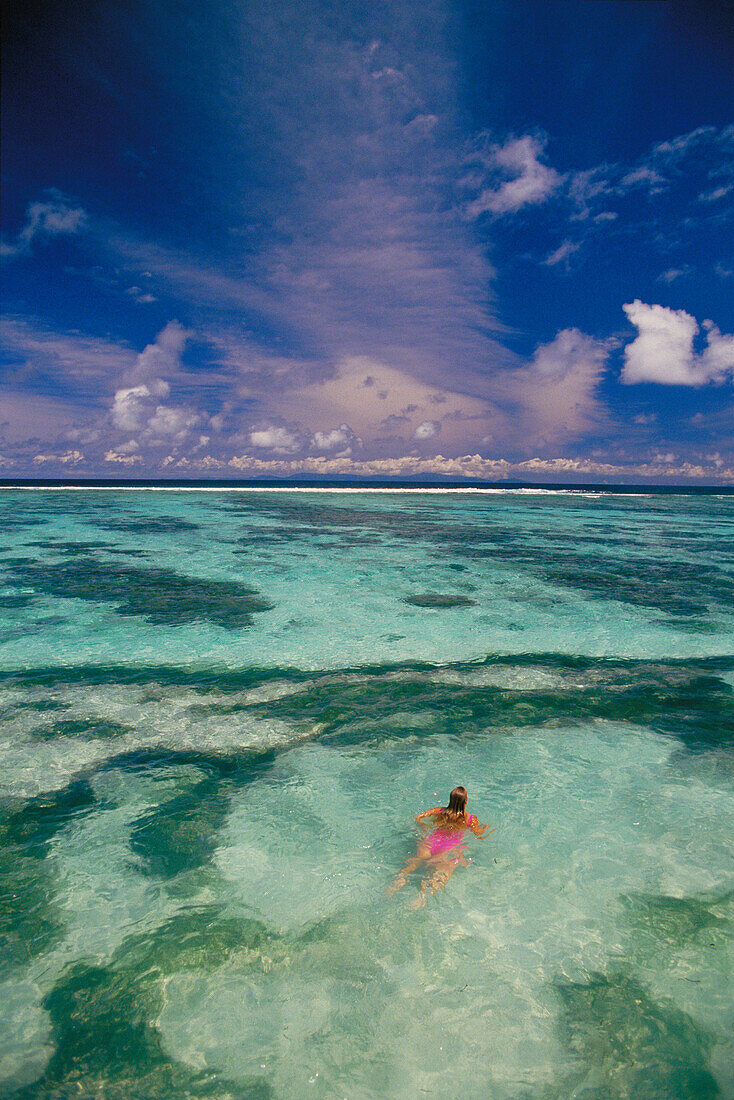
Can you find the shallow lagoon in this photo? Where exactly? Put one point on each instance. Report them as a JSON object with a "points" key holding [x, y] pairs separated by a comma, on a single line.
{"points": [[218, 713]]}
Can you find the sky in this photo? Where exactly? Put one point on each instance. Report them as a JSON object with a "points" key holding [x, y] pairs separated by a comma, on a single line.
{"points": [[295, 238]]}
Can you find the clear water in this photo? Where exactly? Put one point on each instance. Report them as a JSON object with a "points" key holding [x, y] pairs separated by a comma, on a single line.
{"points": [[218, 714]]}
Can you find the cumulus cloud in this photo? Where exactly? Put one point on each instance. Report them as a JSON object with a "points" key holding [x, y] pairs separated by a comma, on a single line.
{"points": [[341, 440], [136, 405], [129, 447], [68, 458], [279, 440], [159, 360], [663, 350], [131, 408], [174, 423], [476, 467], [55, 217], [122, 457], [531, 181]]}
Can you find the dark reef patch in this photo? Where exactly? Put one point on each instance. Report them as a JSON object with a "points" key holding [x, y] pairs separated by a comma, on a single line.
{"points": [[12, 602], [631, 1045], [78, 548], [30, 921], [92, 728], [558, 544], [199, 937], [439, 600], [107, 1043], [697, 707], [182, 832], [69, 547], [104, 1017], [669, 924], [33, 822], [160, 596], [150, 525], [10, 522]]}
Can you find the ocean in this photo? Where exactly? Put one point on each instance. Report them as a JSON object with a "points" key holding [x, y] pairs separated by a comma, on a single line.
{"points": [[219, 712]]}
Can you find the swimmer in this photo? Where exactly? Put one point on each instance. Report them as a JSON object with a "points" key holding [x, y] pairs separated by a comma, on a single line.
{"points": [[442, 849]]}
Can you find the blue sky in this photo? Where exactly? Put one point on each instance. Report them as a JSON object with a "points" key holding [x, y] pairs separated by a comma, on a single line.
{"points": [[388, 239]]}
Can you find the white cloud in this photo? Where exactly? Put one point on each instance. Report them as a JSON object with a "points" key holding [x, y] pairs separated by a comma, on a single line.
{"points": [[531, 182], [716, 193], [171, 422], [136, 405], [160, 359], [122, 458], [663, 351], [339, 439], [375, 398], [140, 296], [131, 408], [668, 172], [279, 440], [642, 176], [69, 458], [555, 396], [53, 218], [427, 429], [673, 273], [475, 467], [128, 448], [562, 253]]}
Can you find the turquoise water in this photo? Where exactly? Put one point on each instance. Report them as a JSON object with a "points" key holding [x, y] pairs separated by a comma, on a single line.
{"points": [[219, 712]]}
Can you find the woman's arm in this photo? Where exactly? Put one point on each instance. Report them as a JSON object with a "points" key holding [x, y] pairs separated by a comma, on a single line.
{"points": [[428, 813], [479, 830]]}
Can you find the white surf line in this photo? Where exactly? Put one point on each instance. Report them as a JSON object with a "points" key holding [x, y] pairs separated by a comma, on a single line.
{"points": [[351, 490]]}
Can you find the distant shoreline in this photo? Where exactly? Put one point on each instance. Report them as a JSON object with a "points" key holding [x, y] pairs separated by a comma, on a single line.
{"points": [[352, 486]]}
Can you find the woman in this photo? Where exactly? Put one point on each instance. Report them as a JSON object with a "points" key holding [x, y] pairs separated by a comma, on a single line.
{"points": [[442, 848]]}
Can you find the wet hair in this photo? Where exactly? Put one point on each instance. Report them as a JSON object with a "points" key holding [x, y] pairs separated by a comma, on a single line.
{"points": [[457, 800], [457, 804]]}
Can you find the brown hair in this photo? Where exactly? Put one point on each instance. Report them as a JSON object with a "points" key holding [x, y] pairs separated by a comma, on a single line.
{"points": [[455, 809]]}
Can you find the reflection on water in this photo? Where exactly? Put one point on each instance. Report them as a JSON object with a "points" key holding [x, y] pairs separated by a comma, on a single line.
{"points": [[199, 819]]}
